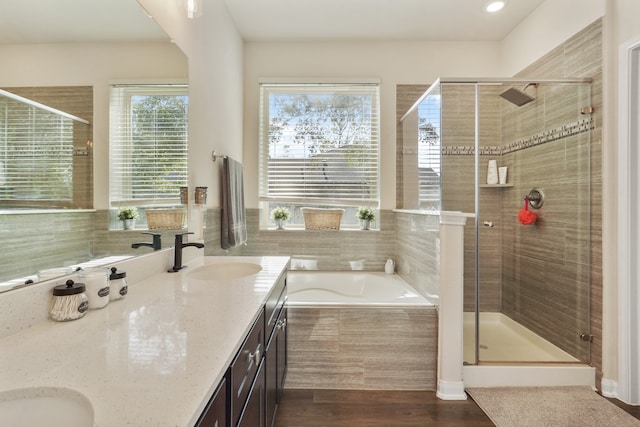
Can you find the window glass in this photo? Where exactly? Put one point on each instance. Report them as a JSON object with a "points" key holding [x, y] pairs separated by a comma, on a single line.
{"points": [[319, 146], [148, 145]]}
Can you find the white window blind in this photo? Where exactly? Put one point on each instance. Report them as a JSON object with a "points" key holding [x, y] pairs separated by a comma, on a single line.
{"points": [[320, 144], [36, 157], [429, 152], [148, 144]]}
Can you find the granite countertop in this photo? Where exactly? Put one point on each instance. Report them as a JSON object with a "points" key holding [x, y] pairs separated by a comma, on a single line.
{"points": [[153, 358]]}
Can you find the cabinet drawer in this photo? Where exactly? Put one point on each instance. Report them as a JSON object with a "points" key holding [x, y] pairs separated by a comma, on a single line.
{"points": [[245, 366], [273, 303]]}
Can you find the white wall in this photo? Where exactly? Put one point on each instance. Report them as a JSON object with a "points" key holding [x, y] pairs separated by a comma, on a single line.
{"points": [[391, 62], [623, 27], [553, 22], [79, 64], [214, 50]]}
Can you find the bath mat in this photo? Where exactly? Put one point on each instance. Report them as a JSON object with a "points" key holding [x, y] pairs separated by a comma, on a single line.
{"points": [[549, 407]]}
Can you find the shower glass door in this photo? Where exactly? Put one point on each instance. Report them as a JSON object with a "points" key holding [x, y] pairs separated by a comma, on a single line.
{"points": [[528, 254]]}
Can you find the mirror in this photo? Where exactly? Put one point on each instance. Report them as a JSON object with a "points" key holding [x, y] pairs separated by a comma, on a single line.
{"points": [[46, 147], [42, 232]]}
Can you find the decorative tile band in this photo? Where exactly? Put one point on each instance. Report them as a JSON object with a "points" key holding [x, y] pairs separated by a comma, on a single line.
{"points": [[551, 135]]}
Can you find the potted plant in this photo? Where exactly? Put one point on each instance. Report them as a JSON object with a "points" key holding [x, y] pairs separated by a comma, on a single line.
{"points": [[279, 216], [366, 217], [128, 217]]}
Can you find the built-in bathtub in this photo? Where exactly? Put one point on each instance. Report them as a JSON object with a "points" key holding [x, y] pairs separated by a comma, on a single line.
{"points": [[359, 330], [315, 288]]}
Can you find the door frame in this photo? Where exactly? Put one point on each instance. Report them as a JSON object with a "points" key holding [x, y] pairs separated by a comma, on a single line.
{"points": [[628, 223]]}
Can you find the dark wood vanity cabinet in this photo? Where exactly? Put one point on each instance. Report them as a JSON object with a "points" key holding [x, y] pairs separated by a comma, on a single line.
{"points": [[215, 414], [251, 390], [243, 372], [276, 356], [254, 411]]}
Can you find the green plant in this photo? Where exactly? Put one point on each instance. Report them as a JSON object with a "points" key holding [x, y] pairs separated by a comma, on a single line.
{"points": [[280, 213], [366, 214], [127, 213]]}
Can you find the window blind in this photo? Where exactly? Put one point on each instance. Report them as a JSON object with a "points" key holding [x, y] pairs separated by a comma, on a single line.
{"points": [[429, 152], [320, 144], [148, 144], [36, 157]]}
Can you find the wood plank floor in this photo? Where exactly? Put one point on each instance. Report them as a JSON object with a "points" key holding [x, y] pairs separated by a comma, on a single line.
{"points": [[356, 408]]}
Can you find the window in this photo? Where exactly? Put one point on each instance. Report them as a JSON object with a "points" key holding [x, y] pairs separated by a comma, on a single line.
{"points": [[319, 147], [429, 151], [37, 152], [148, 144]]}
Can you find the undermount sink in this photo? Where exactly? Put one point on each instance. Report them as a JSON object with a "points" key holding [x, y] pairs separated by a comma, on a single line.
{"points": [[45, 406], [225, 271]]}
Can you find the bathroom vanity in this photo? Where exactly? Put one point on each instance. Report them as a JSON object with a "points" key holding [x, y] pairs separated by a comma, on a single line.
{"points": [[194, 348]]}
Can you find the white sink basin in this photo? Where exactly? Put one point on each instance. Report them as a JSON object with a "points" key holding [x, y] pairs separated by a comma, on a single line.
{"points": [[45, 406], [225, 271]]}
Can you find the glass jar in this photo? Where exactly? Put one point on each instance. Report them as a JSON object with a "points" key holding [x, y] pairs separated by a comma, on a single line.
{"points": [[97, 283], [117, 284], [69, 301]]}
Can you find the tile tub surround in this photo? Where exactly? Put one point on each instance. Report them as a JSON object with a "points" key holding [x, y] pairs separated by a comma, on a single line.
{"points": [[332, 249], [152, 358], [362, 348]]}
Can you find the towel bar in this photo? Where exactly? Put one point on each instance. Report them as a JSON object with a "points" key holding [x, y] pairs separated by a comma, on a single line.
{"points": [[214, 155]]}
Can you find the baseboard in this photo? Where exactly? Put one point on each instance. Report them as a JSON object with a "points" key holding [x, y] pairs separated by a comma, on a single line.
{"points": [[448, 390], [609, 388]]}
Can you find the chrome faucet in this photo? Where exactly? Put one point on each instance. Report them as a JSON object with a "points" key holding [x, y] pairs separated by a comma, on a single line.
{"points": [[156, 244], [177, 251]]}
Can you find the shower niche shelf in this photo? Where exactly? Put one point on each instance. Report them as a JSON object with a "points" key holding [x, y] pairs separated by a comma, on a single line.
{"points": [[496, 185]]}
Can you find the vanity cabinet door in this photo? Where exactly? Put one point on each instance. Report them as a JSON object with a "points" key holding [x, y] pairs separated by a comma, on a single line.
{"points": [[254, 411], [276, 363], [215, 414], [244, 368], [271, 368], [281, 351]]}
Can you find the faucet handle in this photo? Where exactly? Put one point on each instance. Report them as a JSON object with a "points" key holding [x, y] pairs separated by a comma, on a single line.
{"points": [[184, 233], [157, 240]]}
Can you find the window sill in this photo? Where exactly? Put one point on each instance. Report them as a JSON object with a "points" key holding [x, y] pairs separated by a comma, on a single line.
{"points": [[330, 231], [43, 211]]}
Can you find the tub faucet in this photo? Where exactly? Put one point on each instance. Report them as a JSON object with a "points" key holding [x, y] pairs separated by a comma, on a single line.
{"points": [[156, 244], [177, 251]]}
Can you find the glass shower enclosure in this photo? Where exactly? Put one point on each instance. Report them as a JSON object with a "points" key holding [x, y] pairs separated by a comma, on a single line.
{"points": [[516, 153]]}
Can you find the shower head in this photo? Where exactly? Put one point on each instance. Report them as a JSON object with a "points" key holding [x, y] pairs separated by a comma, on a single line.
{"points": [[517, 97]]}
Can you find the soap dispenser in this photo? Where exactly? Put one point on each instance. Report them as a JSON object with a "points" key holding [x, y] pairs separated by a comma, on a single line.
{"points": [[389, 267]]}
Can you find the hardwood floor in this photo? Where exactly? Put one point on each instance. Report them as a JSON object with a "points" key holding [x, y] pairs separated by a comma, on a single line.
{"points": [[358, 408], [355, 408]]}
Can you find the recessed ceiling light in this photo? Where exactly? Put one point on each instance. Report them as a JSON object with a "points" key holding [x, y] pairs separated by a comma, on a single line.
{"points": [[494, 6]]}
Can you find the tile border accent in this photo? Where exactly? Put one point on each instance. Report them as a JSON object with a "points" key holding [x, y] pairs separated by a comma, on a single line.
{"points": [[551, 135]]}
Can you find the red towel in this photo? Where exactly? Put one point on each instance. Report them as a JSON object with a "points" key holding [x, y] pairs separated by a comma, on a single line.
{"points": [[525, 216]]}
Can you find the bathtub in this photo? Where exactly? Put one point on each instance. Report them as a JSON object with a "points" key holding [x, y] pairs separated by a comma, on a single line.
{"points": [[361, 288], [359, 330]]}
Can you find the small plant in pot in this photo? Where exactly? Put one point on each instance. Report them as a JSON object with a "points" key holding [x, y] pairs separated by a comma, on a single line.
{"points": [[366, 217], [128, 217], [279, 216]]}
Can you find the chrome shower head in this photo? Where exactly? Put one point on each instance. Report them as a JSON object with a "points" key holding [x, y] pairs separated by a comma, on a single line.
{"points": [[517, 97]]}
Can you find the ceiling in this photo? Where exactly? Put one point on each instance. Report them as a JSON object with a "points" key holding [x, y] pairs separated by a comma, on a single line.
{"points": [[63, 21]]}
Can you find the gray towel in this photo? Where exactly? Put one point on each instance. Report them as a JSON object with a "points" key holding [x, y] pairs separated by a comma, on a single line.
{"points": [[234, 220]]}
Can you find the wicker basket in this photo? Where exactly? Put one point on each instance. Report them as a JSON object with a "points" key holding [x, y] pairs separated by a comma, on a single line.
{"points": [[165, 219], [322, 219]]}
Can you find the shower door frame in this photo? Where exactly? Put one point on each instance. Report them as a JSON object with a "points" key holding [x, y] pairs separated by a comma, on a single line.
{"points": [[477, 84]]}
